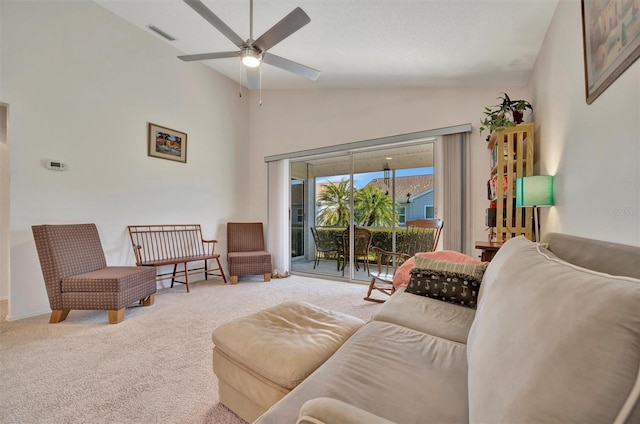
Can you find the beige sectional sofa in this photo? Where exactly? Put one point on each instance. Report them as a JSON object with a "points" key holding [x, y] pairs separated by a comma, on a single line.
{"points": [[555, 338]]}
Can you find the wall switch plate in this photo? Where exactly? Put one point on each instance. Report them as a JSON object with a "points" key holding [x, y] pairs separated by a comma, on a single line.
{"points": [[56, 165]]}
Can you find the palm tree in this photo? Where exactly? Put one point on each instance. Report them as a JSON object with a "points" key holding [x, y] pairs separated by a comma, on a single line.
{"points": [[334, 204], [373, 207]]}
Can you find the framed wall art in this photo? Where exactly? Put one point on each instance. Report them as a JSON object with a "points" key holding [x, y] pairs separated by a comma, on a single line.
{"points": [[611, 41], [166, 143]]}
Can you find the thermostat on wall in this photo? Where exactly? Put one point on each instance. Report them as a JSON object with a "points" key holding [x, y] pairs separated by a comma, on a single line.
{"points": [[56, 165]]}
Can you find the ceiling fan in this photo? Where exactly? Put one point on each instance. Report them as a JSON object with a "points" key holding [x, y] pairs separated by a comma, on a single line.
{"points": [[254, 52]]}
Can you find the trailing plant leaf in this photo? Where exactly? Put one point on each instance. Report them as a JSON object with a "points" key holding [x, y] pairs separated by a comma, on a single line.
{"points": [[501, 116]]}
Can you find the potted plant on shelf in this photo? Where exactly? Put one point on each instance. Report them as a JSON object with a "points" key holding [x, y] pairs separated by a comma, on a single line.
{"points": [[507, 114]]}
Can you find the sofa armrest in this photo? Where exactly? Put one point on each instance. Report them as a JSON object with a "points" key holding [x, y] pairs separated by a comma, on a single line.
{"points": [[332, 411]]}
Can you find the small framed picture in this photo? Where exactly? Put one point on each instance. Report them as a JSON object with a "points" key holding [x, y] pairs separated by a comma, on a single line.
{"points": [[166, 143], [611, 41]]}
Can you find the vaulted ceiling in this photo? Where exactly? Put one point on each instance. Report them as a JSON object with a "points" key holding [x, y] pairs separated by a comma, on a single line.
{"points": [[366, 43]]}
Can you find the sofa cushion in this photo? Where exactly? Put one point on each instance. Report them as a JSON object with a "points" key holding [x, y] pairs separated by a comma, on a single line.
{"points": [[589, 255], [451, 282], [394, 372], [430, 316], [553, 342]]}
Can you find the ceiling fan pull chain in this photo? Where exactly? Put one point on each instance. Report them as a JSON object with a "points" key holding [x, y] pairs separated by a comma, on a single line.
{"points": [[260, 69], [240, 79]]}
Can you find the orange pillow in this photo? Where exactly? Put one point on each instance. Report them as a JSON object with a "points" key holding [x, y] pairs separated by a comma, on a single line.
{"points": [[402, 275]]}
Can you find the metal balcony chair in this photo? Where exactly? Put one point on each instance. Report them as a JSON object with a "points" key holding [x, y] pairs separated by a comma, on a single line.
{"points": [[326, 245], [421, 235], [361, 246]]}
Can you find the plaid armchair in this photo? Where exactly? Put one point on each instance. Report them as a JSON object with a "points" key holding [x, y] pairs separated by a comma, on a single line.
{"points": [[246, 253], [76, 274]]}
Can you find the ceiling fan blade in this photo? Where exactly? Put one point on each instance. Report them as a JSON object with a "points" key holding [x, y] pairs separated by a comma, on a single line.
{"points": [[287, 26], [199, 7], [253, 78], [288, 65], [205, 56]]}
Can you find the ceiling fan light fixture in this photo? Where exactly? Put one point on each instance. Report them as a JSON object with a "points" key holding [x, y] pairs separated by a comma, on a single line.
{"points": [[253, 52], [251, 58]]}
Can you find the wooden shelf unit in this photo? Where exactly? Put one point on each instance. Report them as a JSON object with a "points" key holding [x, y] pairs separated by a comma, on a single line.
{"points": [[511, 158]]}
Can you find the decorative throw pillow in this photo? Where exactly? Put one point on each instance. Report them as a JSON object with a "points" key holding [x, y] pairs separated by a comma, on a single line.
{"points": [[402, 275], [447, 281]]}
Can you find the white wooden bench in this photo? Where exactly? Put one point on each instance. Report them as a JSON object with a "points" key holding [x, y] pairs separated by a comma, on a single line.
{"points": [[161, 245]]}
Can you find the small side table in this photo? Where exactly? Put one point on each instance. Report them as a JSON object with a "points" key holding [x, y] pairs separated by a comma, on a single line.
{"points": [[489, 249]]}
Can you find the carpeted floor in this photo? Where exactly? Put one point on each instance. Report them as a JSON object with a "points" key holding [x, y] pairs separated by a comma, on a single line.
{"points": [[154, 367]]}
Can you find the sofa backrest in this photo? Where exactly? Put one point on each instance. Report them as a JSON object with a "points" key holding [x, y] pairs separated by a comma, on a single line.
{"points": [[553, 341], [598, 255], [66, 250]]}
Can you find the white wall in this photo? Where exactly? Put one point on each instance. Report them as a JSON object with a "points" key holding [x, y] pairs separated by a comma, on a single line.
{"points": [[294, 120], [593, 150], [82, 85]]}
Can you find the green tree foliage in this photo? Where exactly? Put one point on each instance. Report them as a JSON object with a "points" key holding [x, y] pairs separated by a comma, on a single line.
{"points": [[373, 207], [333, 204]]}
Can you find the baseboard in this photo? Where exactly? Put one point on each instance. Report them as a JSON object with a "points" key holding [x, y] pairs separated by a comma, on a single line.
{"points": [[33, 314]]}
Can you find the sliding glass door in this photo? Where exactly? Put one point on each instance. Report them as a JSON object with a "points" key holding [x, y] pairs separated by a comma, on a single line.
{"points": [[354, 201], [320, 212]]}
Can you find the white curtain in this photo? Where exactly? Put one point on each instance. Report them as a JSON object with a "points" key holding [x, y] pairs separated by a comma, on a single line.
{"points": [[455, 194], [278, 236]]}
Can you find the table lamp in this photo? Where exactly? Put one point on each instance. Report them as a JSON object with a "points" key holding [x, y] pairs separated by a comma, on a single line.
{"points": [[534, 191]]}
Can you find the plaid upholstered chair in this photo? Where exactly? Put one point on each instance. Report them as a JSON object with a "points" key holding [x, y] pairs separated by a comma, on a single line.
{"points": [[246, 253], [76, 274]]}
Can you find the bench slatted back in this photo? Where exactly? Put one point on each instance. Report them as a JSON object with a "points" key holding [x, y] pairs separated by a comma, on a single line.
{"points": [[162, 242]]}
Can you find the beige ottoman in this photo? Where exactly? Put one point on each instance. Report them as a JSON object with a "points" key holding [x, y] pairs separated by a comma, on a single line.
{"points": [[260, 358]]}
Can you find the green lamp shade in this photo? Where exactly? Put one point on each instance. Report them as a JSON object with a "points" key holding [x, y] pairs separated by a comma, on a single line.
{"points": [[534, 191]]}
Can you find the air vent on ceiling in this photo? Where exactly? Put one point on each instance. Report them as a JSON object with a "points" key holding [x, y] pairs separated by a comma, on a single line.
{"points": [[161, 32]]}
